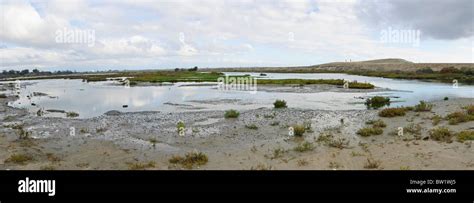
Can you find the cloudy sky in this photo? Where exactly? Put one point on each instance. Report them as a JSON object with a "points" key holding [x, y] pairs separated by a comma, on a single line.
{"points": [[145, 34]]}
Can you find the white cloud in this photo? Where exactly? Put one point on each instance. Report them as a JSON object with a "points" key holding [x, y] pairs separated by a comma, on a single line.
{"points": [[147, 34]]}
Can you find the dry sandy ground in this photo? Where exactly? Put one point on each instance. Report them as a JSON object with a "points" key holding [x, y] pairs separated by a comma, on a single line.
{"points": [[119, 140]]}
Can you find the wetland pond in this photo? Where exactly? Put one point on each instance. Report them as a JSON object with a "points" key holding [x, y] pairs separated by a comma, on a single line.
{"points": [[95, 98]]}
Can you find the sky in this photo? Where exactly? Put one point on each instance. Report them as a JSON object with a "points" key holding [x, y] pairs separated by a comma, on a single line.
{"points": [[85, 35]]}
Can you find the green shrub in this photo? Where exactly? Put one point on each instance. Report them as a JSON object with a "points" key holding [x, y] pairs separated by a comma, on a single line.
{"points": [[372, 164], [440, 134], [252, 126], [458, 117], [72, 114], [413, 129], [436, 119], [377, 102], [377, 123], [141, 166], [299, 130], [231, 114], [423, 106], [279, 104], [19, 159], [465, 135], [392, 112], [190, 159], [446, 98], [305, 146], [368, 131], [470, 109]]}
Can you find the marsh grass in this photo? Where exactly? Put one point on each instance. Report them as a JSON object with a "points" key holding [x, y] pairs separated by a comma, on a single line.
{"points": [[190, 160], [392, 112], [21, 159], [279, 104], [72, 114], [369, 131], [441, 134], [372, 164], [352, 85], [465, 135], [303, 147], [231, 114], [141, 166], [299, 130], [377, 102], [459, 117], [423, 106], [436, 119], [251, 126], [377, 123]]}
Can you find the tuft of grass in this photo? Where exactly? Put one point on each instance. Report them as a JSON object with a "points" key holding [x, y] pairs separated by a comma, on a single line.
{"points": [[302, 162], [414, 129], [339, 143], [21, 159], [465, 135], [470, 109], [190, 159], [371, 164], [377, 123], [3, 96], [231, 114], [334, 165], [423, 106], [303, 147], [299, 130], [369, 131], [275, 123], [377, 102], [251, 126], [141, 166], [354, 154], [53, 158], [261, 167], [436, 119], [278, 153], [392, 112], [324, 138], [84, 130], [458, 117], [280, 104], [71, 114], [441, 134]]}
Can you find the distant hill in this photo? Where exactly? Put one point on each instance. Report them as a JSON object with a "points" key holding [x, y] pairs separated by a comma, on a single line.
{"points": [[388, 64]]}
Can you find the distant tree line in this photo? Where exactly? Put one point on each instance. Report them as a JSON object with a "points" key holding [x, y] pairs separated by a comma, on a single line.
{"points": [[463, 70], [183, 69], [34, 72]]}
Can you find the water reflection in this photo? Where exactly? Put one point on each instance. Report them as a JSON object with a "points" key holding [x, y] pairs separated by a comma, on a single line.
{"points": [[94, 99]]}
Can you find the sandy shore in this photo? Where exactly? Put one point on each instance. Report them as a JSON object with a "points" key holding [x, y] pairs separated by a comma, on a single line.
{"points": [[257, 139]]}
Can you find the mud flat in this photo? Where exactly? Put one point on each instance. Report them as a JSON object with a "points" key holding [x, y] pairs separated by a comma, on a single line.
{"points": [[256, 139]]}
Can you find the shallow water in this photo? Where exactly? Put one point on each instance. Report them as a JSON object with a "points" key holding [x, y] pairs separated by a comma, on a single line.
{"points": [[94, 99]]}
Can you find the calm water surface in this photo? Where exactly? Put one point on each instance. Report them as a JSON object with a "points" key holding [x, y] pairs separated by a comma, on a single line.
{"points": [[94, 99]]}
